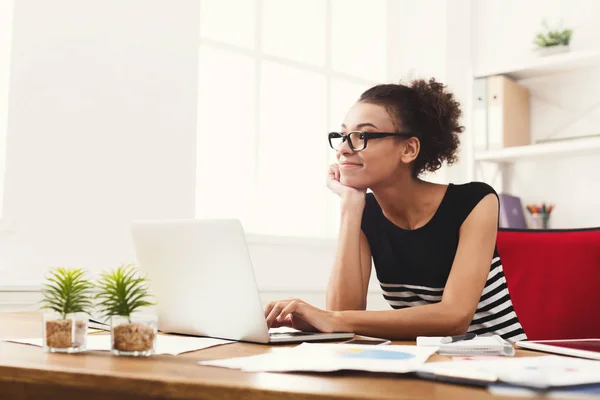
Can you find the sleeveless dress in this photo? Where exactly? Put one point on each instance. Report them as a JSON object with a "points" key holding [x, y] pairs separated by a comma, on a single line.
{"points": [[412, 266]]}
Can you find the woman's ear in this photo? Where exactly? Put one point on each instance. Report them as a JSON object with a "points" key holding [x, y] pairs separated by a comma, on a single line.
{"points": [[410, 150]]}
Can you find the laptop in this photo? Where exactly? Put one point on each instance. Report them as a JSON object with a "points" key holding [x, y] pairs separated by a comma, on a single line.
{"points": [[203, 282], [511, 212]]}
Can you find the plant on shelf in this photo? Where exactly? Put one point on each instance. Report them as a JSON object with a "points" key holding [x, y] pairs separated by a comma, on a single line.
{"points": [[122, 294], [67, 297], [552, 37]]}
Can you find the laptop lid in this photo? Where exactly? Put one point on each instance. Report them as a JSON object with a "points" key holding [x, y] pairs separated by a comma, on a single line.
{"points": [[201, 275], [511, 212]]}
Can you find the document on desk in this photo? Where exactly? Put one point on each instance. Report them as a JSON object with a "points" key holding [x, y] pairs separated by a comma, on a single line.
{"points": [[165, 344], [319, 357], [577, 392], [540, 372]]}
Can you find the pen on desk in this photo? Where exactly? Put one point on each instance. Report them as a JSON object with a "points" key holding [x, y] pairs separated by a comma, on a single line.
{"points": [[452, 339]]}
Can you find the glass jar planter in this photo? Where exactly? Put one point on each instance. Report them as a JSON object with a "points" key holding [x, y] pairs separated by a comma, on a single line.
{"points": [[134, 335], [65, 335]]}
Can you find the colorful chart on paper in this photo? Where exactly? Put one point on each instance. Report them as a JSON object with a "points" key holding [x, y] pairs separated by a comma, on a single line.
{"points": [[375, 354]]}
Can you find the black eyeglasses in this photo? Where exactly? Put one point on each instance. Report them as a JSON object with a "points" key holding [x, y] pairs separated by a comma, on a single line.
{"points": [[357, 140]]}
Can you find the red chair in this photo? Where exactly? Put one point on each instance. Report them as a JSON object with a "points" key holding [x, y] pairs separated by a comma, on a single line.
{"points": [[554, 281]]}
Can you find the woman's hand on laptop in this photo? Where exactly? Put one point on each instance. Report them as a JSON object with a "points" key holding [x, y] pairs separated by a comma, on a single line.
{"points": [[297, 314]]}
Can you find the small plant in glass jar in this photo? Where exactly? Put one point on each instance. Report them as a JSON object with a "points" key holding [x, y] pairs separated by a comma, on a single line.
{"points": [[123, 293], [67, 301]]}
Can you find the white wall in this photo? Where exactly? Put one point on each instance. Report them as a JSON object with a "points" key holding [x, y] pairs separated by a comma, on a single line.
{"points": [[418, 59], [459, 71], [102, 128], [431, 38], [563, 105], [6, 17], [504, 30]]}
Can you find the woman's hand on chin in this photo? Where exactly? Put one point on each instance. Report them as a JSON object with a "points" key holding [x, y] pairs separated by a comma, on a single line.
{"points": [[297, 314], [345, 192]]}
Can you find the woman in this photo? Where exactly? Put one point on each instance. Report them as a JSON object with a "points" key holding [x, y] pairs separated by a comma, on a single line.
{"points": [[433, 246]]}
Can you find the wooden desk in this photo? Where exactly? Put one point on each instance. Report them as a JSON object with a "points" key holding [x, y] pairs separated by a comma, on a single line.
{"points": [[27, 372]]}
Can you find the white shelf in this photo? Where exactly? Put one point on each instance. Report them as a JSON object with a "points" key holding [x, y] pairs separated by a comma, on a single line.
{"points": [[545, 65], [557, 148]]}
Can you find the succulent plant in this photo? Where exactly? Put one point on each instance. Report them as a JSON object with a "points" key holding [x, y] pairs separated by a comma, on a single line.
{"points": [[122, 291], [67, 291], [553, 37]]}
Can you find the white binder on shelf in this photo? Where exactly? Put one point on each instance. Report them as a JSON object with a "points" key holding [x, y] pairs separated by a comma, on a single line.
{"points": [[480, 134]]}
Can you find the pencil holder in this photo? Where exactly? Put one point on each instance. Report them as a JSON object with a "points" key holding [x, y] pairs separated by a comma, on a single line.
{"points": [[540, 220]]}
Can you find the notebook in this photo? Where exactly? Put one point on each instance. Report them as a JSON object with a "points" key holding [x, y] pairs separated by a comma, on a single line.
{"points": [[481, 345]]}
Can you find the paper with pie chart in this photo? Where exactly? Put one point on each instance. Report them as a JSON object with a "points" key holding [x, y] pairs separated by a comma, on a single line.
{"points": [[320, 357]]}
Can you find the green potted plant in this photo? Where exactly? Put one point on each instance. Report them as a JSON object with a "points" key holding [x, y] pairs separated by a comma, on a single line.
{"points": [[122, 294], [67, 301], [552, 40]]}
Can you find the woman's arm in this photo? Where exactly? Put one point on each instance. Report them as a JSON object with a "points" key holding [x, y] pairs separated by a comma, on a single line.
{"points": [[349, 280], [449, 317]]}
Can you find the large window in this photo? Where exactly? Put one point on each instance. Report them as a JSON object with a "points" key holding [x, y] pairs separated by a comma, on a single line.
{"points": [[275, 77]]}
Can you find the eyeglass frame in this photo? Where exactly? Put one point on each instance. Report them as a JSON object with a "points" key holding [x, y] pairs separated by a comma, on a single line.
{"points": [[366, 137]]}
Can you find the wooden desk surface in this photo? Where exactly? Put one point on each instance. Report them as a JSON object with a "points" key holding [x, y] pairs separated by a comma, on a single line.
{"points": [[27, 372]]}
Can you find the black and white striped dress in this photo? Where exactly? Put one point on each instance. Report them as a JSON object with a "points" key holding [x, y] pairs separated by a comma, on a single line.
{"points": [[413, 265]]}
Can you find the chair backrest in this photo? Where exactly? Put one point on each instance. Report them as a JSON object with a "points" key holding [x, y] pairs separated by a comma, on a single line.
{"points": [[554, 280]]}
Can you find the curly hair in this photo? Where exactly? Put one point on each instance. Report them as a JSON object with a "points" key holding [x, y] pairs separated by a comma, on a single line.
{"points": [[428, 110]]}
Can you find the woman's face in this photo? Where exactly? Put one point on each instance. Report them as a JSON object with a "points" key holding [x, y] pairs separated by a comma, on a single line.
{"points": [[381, 158]]}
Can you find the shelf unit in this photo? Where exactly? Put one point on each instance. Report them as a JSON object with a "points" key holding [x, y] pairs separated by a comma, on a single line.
{"points": [[497, 167], [566, 147], [545, 65], [536, 67]]}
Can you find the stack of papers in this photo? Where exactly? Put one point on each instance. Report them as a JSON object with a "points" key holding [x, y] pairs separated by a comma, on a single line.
{"points": [[173, 345], [320, 357]]}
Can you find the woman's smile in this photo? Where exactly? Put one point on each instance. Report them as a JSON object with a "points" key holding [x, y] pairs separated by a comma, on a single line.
{"points": [[346, 165]]}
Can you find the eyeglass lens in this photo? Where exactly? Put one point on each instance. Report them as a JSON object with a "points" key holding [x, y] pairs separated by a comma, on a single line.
{"points": [[357, 142]]}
